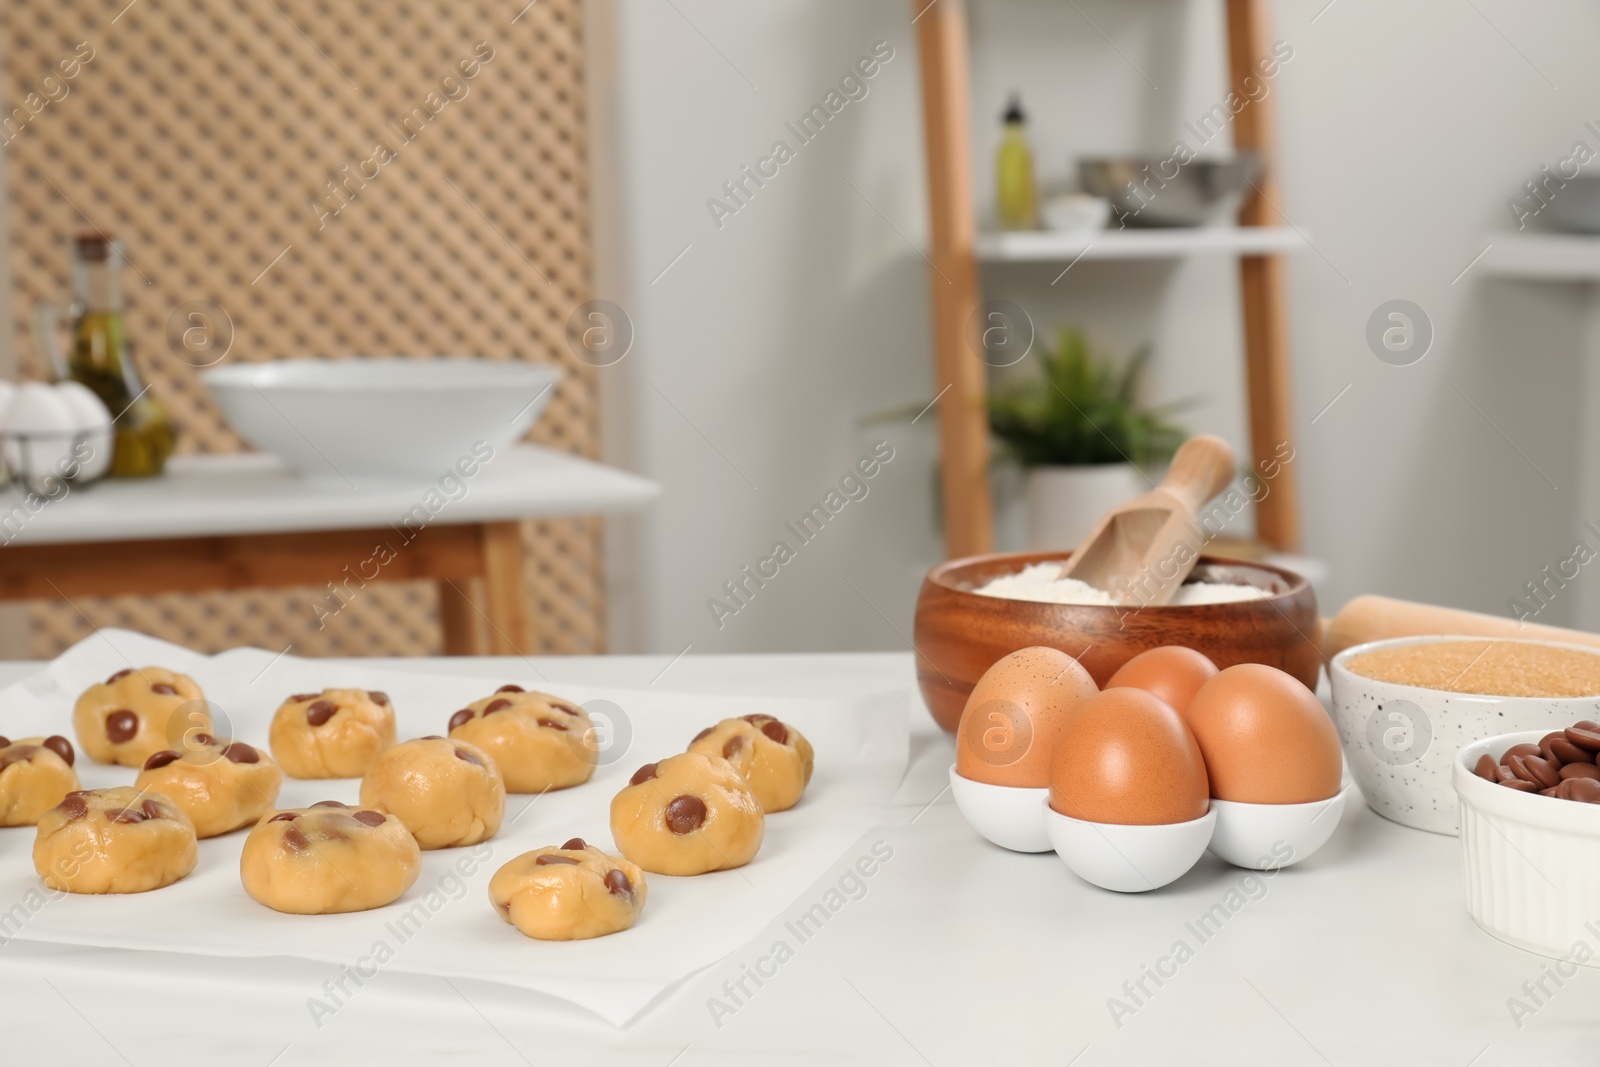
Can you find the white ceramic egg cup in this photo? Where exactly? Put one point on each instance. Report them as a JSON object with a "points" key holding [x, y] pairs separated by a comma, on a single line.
{"points": [[1269, 837], [1128, 859], [1006, 815]]}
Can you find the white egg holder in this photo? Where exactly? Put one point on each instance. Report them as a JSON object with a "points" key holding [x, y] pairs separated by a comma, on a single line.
{"points": [[42, 461], [1137, 859]]}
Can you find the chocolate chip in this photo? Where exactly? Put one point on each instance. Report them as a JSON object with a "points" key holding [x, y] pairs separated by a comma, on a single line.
{"points": [[576, 844], [553, 724], [239, 752], [61, 747], [702, 735], [757, 719], [163, 688], [1486, 768], [430, 737], [5, 742], [121, 726], [152, 810], [119, 676], [378, 697], [548, 859], [618, 882], [73, 806], [1559, 748], [775, 730], [1579, 770], [1523, 749], [284, 816], [1586, 735], [129, 815], [1586, 790], [470, 757], [1535, 769], [18, 753], [369, 817], [496, 705], [160, 759], [204, 739], [1519, 784], [330, 804], [296, 840], [511, 689], [320, 712], [301, 698], [732, 746], [643, 774], [561, 705], [685, 814], [460, 718]]}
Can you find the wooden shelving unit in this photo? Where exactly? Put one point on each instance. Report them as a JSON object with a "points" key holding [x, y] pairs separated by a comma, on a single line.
{"points": [[1260, 241]]}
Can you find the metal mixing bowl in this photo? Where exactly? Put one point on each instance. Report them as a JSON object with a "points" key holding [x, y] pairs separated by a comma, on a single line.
{"points": [[1141, 194]]}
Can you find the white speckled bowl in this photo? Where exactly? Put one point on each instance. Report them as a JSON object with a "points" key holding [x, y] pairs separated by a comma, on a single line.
{"points": [[1401, 740]]}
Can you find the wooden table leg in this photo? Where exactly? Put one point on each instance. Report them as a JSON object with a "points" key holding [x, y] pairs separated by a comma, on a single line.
{"points": [[459, 621], [505, 596]]}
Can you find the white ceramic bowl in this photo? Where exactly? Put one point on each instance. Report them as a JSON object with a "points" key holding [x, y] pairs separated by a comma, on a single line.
{"points": [[1128, 859], [1532, 863], [1006, 815], [1267, 837], [1400, 740], [350, 418]]}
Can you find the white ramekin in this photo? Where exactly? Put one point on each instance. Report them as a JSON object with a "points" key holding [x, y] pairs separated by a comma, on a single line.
{"points": [[1532, 863], [1400, 740]]}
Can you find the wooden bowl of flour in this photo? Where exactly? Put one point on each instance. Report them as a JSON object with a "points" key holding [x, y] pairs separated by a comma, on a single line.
{"points": [[959, 633]]}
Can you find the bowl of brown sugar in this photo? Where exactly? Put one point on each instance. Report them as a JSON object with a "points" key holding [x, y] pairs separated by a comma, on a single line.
{"points": [[1405, 707]]}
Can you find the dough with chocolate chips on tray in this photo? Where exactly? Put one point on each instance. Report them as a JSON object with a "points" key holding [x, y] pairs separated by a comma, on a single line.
{"points": [[770, 755], [538, 741], [569, 893], [36, 774], [447, 792], [328, 858], [688, 814], [121, 840], [221, 785], [336, 733], [128, 716]]}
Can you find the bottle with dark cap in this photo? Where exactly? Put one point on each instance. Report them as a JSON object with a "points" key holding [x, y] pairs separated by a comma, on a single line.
{"points": [[102, 359], [1015, 195]]}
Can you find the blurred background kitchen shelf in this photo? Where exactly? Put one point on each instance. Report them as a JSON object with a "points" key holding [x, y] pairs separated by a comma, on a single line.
{"points": [[1049, 246]]}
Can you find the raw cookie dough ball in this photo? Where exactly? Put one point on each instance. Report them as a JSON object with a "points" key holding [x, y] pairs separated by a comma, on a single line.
{"points": [[336, 733], [328, 858], [773, 757], [120, 840], [688, 814], [568, 893], [130, 715], [221, 785], [447, 792], [538, 741], [35, 775]]}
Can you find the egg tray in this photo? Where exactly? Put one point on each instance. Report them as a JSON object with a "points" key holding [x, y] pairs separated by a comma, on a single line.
{"points": [[30, 460]]}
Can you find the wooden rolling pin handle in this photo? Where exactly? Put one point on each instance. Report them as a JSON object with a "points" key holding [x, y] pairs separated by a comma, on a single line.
{"points": [[1202, 468]]}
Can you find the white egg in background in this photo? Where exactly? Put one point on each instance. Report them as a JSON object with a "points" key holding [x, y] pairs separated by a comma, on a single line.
{"points": [[39, 427], [91, 418]]}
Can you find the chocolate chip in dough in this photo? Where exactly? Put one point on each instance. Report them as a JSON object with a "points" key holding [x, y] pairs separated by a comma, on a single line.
{"points": [[128, 815], [618, 883], [576, 844], [775, 730], [511, 689], [643, 774], [296, 840], [73, 806], [320, 712], [549, 858], [301, 698], [702, 735], [369, 817], [685, 814], [163, 688], [496, 705], [378, 697], [160, 759], [430, 737], [239, 752], [121, 726], [731, 748], [119, 676], [552, 724], [152, 810], [284, 816], [204, 739], [330, 804], [5, 742], [468, 757], [460, 718]]}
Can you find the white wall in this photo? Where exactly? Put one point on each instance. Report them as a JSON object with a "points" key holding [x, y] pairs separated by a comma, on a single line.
{"points": [[1405, 128]]}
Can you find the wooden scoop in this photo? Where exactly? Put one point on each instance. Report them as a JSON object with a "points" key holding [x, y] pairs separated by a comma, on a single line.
{"points": [[1142, 551]]}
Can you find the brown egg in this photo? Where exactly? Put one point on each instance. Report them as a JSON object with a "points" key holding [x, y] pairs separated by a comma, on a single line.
{"points": [[1127, 758], [1171, 672], [1266, 737], [1014, 717]]}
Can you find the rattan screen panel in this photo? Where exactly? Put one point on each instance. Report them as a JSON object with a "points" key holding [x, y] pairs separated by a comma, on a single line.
{"points": [[202, 131]]}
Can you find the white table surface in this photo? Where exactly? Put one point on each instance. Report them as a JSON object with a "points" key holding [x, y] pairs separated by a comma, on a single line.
{"points": [[957, 953], [252, 492]]}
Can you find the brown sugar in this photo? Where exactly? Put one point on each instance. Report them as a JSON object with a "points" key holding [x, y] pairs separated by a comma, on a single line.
{"points": [[1490, 668]]}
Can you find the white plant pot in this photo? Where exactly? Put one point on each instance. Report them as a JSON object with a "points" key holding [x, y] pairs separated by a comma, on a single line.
{"points": [[1064, 503]]}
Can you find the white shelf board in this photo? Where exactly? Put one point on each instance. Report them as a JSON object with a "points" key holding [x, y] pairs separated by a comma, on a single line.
{"points": [[1047, 245], [1554, 256]]}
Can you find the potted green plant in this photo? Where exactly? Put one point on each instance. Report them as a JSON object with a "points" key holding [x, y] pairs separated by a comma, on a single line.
{"points": [[1081, 434]]}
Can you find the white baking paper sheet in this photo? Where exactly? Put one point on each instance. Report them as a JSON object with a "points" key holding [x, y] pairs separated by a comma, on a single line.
{"points": [[445, 925]]}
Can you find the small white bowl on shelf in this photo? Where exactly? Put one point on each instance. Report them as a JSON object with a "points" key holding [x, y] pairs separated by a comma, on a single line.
{"points": [[1008, 816], [1128, 859], [1268, 837], [1075, 213]]}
